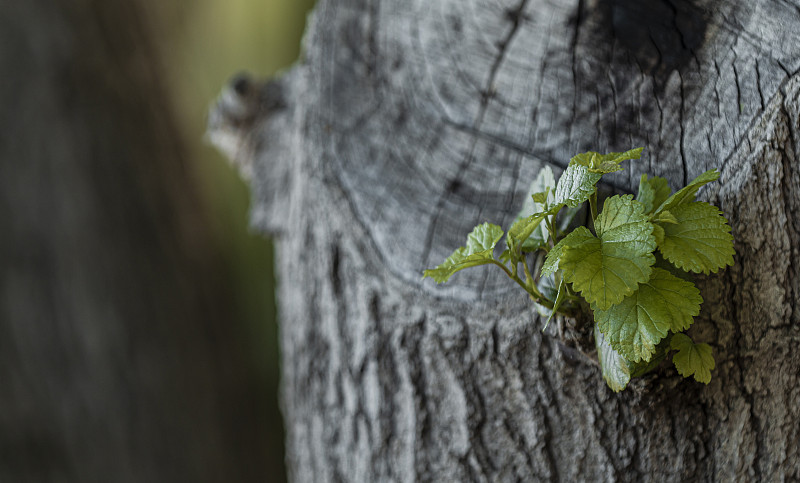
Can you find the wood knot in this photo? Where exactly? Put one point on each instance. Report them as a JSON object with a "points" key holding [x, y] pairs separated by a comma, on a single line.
{"points": [[241, 105]]}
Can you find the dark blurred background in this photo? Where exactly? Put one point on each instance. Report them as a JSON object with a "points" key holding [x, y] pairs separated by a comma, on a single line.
{"points": [[137, 330]]}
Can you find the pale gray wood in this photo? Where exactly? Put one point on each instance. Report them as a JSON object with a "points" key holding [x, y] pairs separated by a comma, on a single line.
{"points": [[408, 123]]}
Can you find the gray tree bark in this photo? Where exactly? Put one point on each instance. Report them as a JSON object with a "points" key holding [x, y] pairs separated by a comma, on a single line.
{"points": [[119, 360], [408, 123]]}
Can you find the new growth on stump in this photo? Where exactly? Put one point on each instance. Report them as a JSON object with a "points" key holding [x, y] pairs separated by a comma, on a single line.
{"points": [[630, 267]]}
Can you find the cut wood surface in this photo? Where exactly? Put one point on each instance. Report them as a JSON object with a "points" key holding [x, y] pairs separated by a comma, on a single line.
{"points": [[408, 123]]}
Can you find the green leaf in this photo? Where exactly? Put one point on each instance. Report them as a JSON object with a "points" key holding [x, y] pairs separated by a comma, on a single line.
{"points": [[658, 232], [616, 371], [565, 217], [540, 192], [576, 185], [507, 256], [480, 245], [609, 267], [533, 242], [547, 287], [652, 192], [522, 229], [541, 198], [665, 217], [550, 264], [686, 194], [483, 238], [663, 264], [639, 369], [692, 358], [636, 325], [605, 163], [562, 292], [700, 241]]}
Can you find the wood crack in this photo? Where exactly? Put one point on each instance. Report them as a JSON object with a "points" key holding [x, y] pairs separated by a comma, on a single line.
{"points": [[515, 16]]}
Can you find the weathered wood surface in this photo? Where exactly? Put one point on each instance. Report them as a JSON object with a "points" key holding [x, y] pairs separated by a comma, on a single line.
{"points": [[410, 122], [119, 360]]}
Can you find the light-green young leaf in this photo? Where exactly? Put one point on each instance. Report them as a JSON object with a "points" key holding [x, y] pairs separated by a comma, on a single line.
{"points": [[480, 245], [609, 267], [687, 193], [652, 192], [692, 359], [700, 241], [605, 163], [616, 371], [637, 324], [576, 185], [522, 229]]}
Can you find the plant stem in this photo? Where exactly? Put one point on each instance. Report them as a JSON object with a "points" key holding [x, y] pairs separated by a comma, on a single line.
{"points": [[551, 227], [531, 289], [528, 276]]}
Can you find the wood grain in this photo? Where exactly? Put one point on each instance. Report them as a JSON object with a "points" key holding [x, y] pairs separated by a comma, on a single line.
{"points": [[410, 122]]}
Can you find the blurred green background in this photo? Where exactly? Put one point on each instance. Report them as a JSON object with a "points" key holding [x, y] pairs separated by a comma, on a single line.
{"points": [[206, 42]]}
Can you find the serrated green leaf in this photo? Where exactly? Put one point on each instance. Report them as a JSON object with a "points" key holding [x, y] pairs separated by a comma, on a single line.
{"points": [[692, 359], [652, 192], [663, 264], [550, 264], [687, 193], [700, 241], [584, 159], [638, 369], [605, 163], [576, 185], [483, 237], [636, 325], [616, 370], [609, 267], [480, 245]]}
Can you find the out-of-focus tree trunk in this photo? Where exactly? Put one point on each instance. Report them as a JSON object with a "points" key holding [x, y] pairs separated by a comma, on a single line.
{"points": [[120, 359], [411, 122]]}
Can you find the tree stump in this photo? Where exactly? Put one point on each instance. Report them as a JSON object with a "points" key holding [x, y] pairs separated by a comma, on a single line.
{"points": [[408, 123]]}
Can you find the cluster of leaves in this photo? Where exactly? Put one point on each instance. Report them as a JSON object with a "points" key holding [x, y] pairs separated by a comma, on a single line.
{"points": [[631, 266]]}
